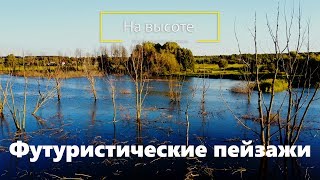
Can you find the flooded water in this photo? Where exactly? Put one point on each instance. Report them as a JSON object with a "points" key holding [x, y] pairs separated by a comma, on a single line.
{"points": [[78, 120]]}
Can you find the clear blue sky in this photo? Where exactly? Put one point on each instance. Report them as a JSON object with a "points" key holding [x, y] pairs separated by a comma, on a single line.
{"points": [[46, 27]]}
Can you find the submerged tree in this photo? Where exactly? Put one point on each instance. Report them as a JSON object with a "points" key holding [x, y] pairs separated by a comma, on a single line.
{"points": [[18, 113], [193, 91], [57, 76], [44, 96], [3, 99], [175, 88], [139, 75], [112, 83], [247, 72], [119, 58], [304, 73], [89, 76], [302, 78]]}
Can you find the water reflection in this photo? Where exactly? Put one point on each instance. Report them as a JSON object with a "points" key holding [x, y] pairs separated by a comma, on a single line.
{"points": [[4, 125], [41, 123], [78, 119], [263, 168], [139, 133], [93, 112], [59, 113], [287, 168], [114, 139]]}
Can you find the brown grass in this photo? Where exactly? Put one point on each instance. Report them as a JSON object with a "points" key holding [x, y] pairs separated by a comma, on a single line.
{"points": [[273, 119], [243, 88], [63, 75], [125, 91]]}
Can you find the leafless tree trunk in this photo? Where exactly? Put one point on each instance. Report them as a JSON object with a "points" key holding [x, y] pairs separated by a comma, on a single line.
{"points": [[18, 114], [299, 101], [189, 101], [44, 97], [3, 100], [175, 88], [204, 89], [297, 71], [93, 112], [57, 76], [205, 86], [118, 53], [259, 91], [247, 70], [90, 77], [111, 81], [139, 75], [58, 87]]}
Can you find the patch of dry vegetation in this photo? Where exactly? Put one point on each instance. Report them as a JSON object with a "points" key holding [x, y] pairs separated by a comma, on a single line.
{"points": [[243, 88], [63, 75]]}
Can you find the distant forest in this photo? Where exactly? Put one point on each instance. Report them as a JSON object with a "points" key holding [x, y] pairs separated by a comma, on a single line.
{"points": [[165, 59]]}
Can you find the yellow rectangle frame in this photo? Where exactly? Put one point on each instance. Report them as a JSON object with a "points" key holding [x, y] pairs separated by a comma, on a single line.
{"points": [[102, 13]]}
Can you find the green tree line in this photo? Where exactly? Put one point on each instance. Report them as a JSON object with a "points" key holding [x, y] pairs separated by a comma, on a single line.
{"points": [[159, 60]]}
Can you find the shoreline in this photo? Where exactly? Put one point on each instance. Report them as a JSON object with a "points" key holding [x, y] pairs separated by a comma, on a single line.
{"points": [[63, 75], [232, 75]]}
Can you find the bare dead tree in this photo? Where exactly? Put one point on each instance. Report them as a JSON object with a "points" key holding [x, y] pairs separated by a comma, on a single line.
{"points": [[44, 97], [304, 74], [246, 70], [269, 107], [175, 84], [112, 83], [18, 114], [189, 101], [300, 75], [93, 112], [113, 97], [265, 107], [57, 76], [139, 75], [58, 82], [3, 99], [205, 86], [119, 54], [90, 77]]}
